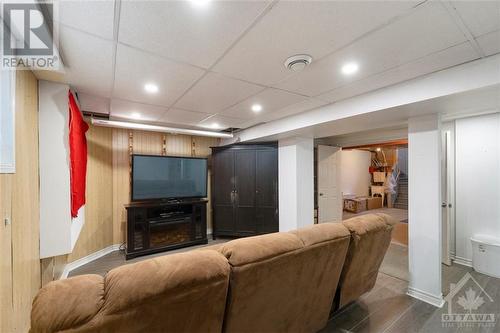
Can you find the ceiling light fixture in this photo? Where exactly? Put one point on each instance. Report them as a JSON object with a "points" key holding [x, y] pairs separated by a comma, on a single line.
{"points": [[136, 115], [298, 62], [151, 88], [350, 68], [155, 128], [256, 108]]}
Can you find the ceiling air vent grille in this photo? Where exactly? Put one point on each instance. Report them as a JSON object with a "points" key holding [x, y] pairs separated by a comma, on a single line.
{"points": [[298, 62]]}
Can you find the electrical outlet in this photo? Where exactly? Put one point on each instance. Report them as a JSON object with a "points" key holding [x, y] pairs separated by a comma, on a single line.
{"points": [[6, 221]]}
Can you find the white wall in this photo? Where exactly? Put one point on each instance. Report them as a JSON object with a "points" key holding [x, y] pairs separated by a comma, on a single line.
{"points": [[477, 181], [296, 183], [58, 232], [354, 170], [424, 208]]}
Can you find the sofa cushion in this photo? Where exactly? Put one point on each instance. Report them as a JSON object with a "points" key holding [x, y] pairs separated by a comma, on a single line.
{"points": [[370, 239], [258, 248], [319, 233], [284, 282], [183, 292], [64, 304]]}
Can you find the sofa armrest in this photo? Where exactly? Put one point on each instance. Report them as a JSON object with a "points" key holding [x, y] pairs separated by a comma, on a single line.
{"points": [[67, 303]]}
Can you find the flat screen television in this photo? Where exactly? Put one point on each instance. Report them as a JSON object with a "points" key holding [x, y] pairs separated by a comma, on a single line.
{"points": [[166, 177]]}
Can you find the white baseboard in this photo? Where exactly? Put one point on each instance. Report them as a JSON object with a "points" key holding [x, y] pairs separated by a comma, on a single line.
{"points": [[436, 300], [85, 260], [462, 261], [96, 255]]}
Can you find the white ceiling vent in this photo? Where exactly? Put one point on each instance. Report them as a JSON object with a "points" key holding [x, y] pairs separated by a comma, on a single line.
{"points": [[298, 62]]}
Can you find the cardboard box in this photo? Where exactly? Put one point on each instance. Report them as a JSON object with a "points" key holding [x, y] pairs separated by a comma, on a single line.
{"points": [[355, 205], [373, 203]]}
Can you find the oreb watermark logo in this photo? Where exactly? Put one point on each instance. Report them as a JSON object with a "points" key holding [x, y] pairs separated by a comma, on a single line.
{"points": [[467, 302], [29, 35]]}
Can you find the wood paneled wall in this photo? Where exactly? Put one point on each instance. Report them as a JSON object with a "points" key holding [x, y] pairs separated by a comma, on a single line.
{"points": [[97, 232], [19, 201]]}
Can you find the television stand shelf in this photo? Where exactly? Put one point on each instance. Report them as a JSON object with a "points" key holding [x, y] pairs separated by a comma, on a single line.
{"points": [[156, 226]]}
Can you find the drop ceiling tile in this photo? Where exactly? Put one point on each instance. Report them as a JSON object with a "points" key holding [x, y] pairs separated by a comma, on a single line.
{"points": [[440, 60], [93, 104], [87, 70], [184, 117], [294, 27], [270, 100], [479, 16], [135, 68], [95, 17], [215, 92], [180, 31], [126, 109], [490, 42], [427, 30], [221, 122]]}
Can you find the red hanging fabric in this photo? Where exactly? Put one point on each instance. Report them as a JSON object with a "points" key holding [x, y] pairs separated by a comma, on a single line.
{"points": [[77, 154]]}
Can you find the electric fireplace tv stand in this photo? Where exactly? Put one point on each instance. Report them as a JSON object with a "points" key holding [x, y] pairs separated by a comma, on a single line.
{"points": [[165, 225]]}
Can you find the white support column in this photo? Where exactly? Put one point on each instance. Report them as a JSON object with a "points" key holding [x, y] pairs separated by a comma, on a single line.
{"points": [[296, 183], [424, 168]]}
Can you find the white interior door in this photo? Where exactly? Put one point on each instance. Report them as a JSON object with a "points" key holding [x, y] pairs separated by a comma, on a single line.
{"points": [[446, 198], [329, 192]]}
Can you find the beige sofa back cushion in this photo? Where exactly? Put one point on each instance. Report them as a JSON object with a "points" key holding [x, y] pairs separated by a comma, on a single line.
{"points": [[370, 239], [284, 282], [183, 292]]}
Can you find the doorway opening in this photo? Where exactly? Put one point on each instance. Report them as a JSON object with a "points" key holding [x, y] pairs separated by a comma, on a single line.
{"points": [[367, 178]]}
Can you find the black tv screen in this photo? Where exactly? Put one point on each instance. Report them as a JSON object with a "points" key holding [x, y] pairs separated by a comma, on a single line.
{"points": [[164, 177]]}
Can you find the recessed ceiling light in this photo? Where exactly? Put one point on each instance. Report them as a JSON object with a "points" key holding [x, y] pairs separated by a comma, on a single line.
{"points": [[378, 149], [215, 125], [199, 3], [350, 68], [256, 108], [136, 115], [151, 88]]}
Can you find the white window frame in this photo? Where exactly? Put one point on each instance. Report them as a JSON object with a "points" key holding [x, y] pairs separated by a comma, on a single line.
{"points": [[7, 121]]}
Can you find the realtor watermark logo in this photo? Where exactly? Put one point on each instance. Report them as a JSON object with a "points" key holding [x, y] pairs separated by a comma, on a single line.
{"points": [[29, 35], [466, 303]]}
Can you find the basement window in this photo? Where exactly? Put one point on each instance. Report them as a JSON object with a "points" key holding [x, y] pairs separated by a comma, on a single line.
{"points": [[7, 121]]}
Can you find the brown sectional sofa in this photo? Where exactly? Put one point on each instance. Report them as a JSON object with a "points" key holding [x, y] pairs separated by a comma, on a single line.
{"points": [[281, 282]]}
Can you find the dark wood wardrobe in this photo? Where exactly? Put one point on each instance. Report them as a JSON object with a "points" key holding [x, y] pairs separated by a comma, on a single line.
{"points": [[245, 189]]}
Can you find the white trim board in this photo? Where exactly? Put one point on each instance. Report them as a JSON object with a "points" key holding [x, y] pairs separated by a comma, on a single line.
{"points": [[436, 300], [85, 260], [461, 261]]}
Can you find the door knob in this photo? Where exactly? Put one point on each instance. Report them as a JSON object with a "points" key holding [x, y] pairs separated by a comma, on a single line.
{"points": [[444, 205]]}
